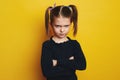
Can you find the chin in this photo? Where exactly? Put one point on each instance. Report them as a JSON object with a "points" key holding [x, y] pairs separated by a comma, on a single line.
{"points": [[62, 36]]}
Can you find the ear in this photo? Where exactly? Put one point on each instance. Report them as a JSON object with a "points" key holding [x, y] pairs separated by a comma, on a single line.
{"points": [[50, 24]]}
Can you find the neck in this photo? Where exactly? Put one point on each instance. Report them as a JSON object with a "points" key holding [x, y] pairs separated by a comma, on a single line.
{"points": [[59, 40]]}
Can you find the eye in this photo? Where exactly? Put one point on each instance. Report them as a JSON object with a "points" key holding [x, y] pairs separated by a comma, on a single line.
{"points": [[57, 26], [66, 25]]}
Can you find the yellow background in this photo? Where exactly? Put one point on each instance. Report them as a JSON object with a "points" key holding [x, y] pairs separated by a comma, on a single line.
{"points": [[22, 33]]}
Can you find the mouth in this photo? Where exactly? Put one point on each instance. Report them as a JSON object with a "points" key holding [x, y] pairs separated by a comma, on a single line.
{"points": [[62, 34]]}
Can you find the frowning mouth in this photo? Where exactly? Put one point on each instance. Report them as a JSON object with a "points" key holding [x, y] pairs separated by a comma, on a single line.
{"points": [[61, 34]]}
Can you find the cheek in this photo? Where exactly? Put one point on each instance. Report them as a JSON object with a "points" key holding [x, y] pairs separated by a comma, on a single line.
{"points": [[55, 30], [68, 29]]}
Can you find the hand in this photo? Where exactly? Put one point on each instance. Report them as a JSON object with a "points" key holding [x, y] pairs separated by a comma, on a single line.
{"points": [[54, 62], [71, 58]]}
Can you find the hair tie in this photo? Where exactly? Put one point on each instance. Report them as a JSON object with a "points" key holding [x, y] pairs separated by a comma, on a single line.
{"points": [[52, 7]]}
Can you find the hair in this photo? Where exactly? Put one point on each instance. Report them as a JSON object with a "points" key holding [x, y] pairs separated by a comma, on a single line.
{"points": [[64, 11]]}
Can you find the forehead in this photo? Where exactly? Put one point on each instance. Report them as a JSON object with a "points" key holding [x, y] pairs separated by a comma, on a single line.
{"points": [[61, 20]]}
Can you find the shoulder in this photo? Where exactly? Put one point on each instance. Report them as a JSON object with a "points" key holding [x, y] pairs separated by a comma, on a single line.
{"points": [[46, 43], [75, 43]]}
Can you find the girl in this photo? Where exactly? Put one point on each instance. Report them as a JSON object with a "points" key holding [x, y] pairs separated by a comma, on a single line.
{"points": [[61, 56]]}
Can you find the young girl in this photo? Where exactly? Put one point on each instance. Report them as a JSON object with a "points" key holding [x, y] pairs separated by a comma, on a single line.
{"points": [[61, 56]]}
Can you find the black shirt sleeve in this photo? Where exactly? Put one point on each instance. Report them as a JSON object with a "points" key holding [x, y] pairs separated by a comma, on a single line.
{"points": [[46, 63], [79, 62]]}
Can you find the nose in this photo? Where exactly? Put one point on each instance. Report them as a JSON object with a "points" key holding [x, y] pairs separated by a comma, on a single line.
{"points": [[61, 29]]}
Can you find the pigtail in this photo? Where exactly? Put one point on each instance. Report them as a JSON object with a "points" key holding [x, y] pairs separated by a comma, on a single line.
{"points": [[47, 19], [74, 18]]}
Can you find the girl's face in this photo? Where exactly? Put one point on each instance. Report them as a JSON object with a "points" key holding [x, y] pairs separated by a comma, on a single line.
{"points": [[61, 26]]}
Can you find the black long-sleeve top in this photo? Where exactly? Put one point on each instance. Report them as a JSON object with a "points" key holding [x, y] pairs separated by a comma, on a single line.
{"points": [[65, 69]]}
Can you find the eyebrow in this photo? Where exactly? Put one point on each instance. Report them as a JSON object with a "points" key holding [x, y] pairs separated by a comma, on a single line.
{"points": [[60, 25]]}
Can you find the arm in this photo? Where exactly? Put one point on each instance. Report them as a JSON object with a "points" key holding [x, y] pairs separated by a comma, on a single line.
{"points": [[77, 61], [48, 68]]}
